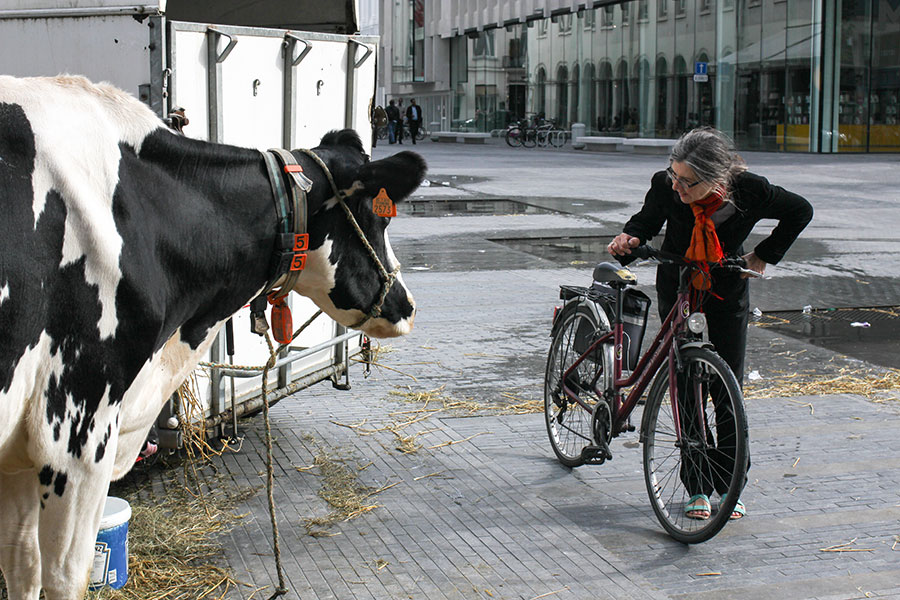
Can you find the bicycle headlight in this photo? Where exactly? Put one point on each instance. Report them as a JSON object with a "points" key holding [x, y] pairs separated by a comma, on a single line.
{"points": [[696, 322]]}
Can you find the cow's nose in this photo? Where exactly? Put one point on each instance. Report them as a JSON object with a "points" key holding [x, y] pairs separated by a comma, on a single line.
{"points": [[382, 328]]}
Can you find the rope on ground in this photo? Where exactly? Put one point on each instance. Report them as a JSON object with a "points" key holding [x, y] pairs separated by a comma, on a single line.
{"points": [[270, 472]]}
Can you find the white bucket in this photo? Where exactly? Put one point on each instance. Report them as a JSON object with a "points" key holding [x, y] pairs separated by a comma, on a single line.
{"points": [[110, 567]]}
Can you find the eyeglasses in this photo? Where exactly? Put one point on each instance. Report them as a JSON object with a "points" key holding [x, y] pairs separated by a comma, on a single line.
{"points": [[682, 182]]}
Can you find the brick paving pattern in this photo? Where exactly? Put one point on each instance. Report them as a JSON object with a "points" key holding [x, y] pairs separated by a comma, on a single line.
{"points": [[494, 516]]}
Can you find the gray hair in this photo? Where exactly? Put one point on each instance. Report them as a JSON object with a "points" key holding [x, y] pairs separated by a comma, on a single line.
{"points": [[711, 154]]}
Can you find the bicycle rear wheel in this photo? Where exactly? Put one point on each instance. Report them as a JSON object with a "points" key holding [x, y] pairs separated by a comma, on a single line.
{"points": [[712, 453], [569, 424], [514, 137]]}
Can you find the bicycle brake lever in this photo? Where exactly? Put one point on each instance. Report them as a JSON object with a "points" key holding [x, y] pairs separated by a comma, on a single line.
{"points": [[752, 273]]}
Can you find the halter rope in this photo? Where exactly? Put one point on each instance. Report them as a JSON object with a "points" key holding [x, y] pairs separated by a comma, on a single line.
{"points": [[389, 277]]}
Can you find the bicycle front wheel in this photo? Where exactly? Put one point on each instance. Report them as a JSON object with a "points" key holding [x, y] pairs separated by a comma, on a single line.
{"points": [[696, 443], [569, 423], [529, 138]]}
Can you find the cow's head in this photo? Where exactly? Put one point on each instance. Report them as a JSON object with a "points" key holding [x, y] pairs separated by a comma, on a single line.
{"points": [[341, 276]]}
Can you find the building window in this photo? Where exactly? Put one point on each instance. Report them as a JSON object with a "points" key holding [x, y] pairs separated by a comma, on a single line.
{"points": [[626, 13], [590, 16], [564, 22], [408, 60], [705, 6], [606, 17], [541, 91], [418, 41], [484, 44], [542, 27], [643, 10], [662, 9], [681, 9]]}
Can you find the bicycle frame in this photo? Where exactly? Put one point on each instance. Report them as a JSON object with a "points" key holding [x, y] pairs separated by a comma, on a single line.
{"points": [[660, 349]]}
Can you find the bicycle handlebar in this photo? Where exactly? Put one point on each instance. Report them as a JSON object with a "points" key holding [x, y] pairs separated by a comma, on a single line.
{"points": [[645, 252]]}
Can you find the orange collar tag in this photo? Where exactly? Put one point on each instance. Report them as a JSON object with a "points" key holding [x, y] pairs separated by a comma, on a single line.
{"points": [[282, 324], [383, 206]]}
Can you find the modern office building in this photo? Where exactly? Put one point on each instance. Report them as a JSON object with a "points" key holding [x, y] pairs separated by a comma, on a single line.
{"points": [[777, 75]]}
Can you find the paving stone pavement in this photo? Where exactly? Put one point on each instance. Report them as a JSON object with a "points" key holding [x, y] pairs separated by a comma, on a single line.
{"points": [[482, 510]]}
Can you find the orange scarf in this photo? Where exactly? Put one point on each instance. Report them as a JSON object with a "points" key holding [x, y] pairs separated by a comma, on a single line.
{"points": [[705, 245]]}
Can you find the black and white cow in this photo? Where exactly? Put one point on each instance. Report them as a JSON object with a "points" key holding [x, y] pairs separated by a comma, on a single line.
{"points": [[123, 249]]}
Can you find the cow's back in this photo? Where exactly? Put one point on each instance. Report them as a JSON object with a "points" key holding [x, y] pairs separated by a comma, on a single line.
{"points": [[60, 150]]}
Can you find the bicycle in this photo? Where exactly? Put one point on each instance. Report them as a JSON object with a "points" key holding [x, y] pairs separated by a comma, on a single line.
{"points": [[693, 426], [420, 134], [514, 135]]}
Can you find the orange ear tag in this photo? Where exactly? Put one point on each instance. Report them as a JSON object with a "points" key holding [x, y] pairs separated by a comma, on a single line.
{"points": [[282, 324], [383, 206]]}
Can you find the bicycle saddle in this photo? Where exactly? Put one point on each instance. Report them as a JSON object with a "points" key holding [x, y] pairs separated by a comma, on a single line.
{"points": [[613, 274]]}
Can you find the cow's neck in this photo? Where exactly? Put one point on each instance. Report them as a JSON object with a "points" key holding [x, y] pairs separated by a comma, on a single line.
{"points": [[215, 241]]}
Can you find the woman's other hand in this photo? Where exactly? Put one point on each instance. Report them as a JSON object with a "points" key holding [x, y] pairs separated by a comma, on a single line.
{"points": [[754, 263], [622, 244]]}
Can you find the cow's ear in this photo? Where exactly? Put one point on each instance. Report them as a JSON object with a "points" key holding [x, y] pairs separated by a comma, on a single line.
{"points": [[399, 175]]}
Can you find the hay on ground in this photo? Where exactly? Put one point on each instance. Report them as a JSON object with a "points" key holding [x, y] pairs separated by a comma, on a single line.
{"points": [[343, 492], [875, 385], [174, 552]]}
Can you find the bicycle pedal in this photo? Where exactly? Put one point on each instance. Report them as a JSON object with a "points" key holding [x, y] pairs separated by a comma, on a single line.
{"points": [[595, 455]]}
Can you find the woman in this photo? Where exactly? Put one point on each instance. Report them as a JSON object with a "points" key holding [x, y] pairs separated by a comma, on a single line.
{"points": [[709, 203]]}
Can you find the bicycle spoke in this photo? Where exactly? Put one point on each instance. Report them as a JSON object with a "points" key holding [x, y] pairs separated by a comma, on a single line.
{"points": [[569, 418], [708, 454]]}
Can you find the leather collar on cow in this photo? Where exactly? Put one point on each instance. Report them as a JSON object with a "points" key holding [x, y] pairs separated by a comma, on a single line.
{"points": [[388, 277], [291, 207], [293, 240]]}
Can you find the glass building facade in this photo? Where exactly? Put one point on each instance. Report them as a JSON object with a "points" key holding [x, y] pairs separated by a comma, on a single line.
{"points": [[777, 75]]}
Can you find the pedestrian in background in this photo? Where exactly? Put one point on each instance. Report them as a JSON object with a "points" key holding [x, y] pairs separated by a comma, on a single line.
{"points": [[414, 118], [379, 120], [394, 124]]}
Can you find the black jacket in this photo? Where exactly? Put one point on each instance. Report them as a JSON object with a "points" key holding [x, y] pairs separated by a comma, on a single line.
{"points": [[754, 199], [393, 113], [414, 113]]}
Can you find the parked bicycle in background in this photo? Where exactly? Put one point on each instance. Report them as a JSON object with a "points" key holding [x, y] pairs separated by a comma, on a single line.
{"points": [[382, 133], [536, 132]]}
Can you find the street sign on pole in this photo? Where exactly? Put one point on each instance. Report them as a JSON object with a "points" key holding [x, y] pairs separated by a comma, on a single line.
{"points": [[700, 72]]}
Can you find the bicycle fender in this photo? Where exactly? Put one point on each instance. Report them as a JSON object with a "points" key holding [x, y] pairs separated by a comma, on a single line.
{"points": [[602, 318], [697, 344]]}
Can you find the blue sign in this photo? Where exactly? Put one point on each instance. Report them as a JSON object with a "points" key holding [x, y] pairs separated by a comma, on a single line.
{"points": [[700, 68]]}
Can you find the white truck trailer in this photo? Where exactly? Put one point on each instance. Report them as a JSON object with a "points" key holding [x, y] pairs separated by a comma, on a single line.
{"points": [[239, 84]]}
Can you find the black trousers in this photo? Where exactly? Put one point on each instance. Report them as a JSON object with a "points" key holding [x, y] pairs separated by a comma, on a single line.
{"points": [[413, 130], [727, 318]]}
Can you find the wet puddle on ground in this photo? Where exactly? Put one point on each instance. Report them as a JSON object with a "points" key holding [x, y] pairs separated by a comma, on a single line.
{"points": [[869, 334], [564, 250], [468, 207]]}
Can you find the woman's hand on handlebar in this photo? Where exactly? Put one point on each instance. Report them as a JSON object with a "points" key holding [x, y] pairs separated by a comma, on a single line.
{"points": [[622, 244], [755, 264]]}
